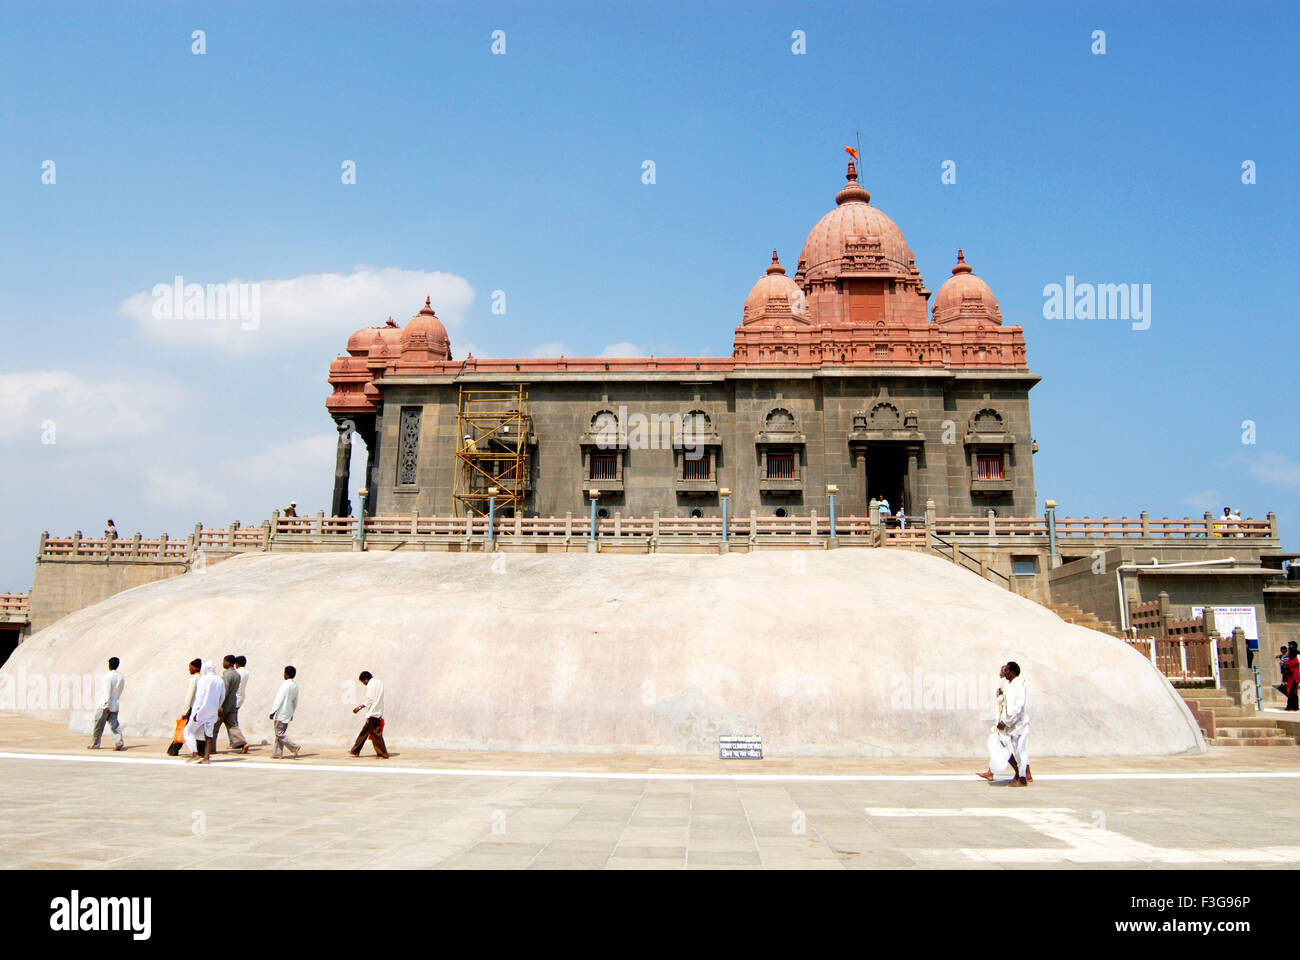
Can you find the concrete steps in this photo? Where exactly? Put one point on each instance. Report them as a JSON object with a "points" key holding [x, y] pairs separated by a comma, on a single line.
{"points": [[1072, 613], [1232, 725]]}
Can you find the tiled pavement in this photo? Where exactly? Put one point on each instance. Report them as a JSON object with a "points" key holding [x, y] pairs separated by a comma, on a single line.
{"points": [[244, 812]]}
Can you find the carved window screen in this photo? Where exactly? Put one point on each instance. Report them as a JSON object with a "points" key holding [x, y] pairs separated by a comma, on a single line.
{"points": [[408, 446]]}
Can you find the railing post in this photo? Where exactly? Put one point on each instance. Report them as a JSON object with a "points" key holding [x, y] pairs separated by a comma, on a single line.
{"points": [[266, 536], [568, 527], [1272, 524], [519, 522], [76, 544], [1209, 526], [812, 526], [1164, 614], [753, 529], [162, 547], [654, 531], [1213, 643], [618, 524], [1182, 656], [415, 522], [1052, 558], [993, 523], [1146, 524], [45, 536], [929, 524], [135, 545]]}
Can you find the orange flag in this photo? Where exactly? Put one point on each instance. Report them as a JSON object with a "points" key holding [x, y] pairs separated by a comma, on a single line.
{"points": [[851, 152]]}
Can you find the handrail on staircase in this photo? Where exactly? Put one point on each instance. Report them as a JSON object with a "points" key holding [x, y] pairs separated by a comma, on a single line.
{"points": [[979, 568]]}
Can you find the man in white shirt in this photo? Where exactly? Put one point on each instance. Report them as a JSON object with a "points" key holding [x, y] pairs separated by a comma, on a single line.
{"points": [[241, 668], [1016, 725], [286, 702], [373, 729], [110, 691]]}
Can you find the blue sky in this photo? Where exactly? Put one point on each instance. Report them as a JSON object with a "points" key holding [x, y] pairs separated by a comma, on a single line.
{"points": [[522, 172]]}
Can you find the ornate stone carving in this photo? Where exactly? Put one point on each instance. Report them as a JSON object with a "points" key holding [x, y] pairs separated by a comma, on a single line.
{"points": [[408, 448]]}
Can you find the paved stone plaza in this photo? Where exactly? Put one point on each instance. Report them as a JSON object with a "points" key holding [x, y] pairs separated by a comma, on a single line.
{"points": [[62, 806]]}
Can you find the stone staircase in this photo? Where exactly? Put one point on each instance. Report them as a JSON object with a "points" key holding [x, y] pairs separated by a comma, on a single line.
{"points": [[1071, 613], [1225, 724]]}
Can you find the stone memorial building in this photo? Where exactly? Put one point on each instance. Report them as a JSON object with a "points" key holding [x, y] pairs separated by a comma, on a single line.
{"points": [[844, 375]]}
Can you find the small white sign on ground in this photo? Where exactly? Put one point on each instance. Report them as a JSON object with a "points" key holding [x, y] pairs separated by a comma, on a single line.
{"points": [[740, 748]]}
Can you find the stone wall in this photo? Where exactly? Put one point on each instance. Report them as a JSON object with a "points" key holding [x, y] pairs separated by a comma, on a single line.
{"points": [[63, 586], [823, 407]]}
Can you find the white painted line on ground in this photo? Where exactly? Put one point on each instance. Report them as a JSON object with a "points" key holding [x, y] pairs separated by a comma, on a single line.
{"points": [[1082, 842], [376, 766]]}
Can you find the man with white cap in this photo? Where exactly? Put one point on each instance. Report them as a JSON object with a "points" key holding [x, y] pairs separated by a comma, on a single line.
{"points": [[209, 692]]}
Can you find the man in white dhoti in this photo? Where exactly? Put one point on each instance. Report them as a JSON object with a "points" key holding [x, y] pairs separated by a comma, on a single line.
{"points": [[999, 741], [209, 692], [1016, 724]]}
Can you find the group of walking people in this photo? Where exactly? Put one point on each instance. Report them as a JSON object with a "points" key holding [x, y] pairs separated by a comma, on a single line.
{"points": [[214, 701]]}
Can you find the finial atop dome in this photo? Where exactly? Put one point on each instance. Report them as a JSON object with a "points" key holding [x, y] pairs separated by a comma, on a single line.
{"points": [[775, 266], [427, 309], [853, 192], [962, 265], [391, 322]]}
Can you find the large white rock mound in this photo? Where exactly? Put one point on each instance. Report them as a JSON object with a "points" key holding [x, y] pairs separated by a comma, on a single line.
{"points": [[840, 653]]}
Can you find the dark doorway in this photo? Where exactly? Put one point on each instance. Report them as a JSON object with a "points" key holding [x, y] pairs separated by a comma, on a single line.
{"points": [[8, 643], [886, 474]]}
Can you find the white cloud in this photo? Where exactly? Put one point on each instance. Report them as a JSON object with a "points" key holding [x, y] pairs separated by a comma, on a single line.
{"points": [[623, 349], [1202, 500], [553, 349], [1276, 468], [301, 470], [314, 309], [84, 412], [182, 487]]}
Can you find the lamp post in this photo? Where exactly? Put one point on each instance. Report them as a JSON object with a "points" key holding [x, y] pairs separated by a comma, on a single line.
{"points": [[492, 511], [831, 490], [361, 518], [591, 542], [1051, 531], [724, 494]]}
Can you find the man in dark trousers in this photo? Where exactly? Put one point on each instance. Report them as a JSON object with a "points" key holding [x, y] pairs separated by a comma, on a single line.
{"points": [[229, 715], [374, 726]]}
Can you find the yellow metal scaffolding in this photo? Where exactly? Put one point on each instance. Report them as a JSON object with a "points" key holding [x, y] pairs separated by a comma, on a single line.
{"points": [[496, 454]]}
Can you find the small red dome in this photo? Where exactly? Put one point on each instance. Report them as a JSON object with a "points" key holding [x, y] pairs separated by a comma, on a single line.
{"points": [[774, 294], [966, 297], [425, 338]]}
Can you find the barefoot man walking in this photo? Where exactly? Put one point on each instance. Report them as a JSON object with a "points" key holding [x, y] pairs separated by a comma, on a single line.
{"points": [[1016, 724]]}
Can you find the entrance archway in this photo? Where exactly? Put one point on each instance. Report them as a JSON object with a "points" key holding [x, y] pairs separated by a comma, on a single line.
{"points": [[886, 468]]}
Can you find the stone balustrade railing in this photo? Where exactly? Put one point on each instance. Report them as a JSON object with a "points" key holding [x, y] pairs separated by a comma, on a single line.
{"points": [[339, 532], [14, 604]]}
